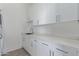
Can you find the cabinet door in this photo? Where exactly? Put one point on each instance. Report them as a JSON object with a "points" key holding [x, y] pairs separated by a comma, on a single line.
{"points": [[67, 11], [28, 27], [24, 43], [0, 47], [63, 50], [43, 13], [27, 44], [34, 47], [43, 49]]}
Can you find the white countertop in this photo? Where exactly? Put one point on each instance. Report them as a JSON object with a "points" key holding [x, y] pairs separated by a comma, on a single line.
{"points": [[58, 40]]}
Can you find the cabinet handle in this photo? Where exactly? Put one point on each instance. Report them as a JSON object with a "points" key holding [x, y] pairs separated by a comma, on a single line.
{"points": [[61, 50], [44, 44], [52, 53], [57, 18], [0, 36], [31, 44], [35, 40], [49, 52]]}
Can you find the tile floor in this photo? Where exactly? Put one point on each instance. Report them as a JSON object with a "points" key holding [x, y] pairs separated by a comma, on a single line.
{"points": [[18, 52]]}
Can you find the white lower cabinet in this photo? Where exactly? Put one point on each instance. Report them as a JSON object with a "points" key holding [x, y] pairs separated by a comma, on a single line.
{"points": [[40, 48], [37, 47], [63, 50], [27, 44], [34, 47], [43, 49]]}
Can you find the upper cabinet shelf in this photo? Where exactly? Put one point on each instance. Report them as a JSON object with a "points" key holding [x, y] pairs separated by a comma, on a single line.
{"points": [[46, 13]]}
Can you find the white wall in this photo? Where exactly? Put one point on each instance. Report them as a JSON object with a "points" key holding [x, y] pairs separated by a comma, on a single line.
{"points": [[13, 16]]}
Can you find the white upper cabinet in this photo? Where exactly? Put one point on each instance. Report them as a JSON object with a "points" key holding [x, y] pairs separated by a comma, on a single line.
{"points": [[42, 13], [46, 13], [67, 11]]}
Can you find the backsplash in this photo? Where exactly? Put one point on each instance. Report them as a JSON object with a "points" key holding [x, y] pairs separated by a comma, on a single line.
{"points": [[68, 29]]}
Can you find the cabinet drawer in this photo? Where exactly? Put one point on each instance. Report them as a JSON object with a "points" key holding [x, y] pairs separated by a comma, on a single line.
{"points": [[63, 50], [44, 42]]}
